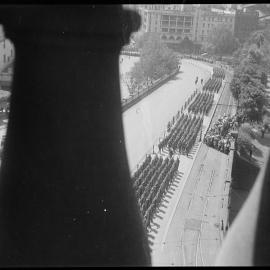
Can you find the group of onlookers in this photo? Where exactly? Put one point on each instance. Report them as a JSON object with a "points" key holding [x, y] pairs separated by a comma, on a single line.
{"points": [[219, 136]]}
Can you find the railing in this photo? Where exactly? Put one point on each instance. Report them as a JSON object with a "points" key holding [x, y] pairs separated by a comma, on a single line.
{"points": [[127, 103]]}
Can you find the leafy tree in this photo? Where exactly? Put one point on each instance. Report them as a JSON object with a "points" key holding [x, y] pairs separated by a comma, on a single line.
{"points": [[186, 45], [140, 39], [252, 101], [156, 60], [236, 87], [250, 76], [222, 40]]}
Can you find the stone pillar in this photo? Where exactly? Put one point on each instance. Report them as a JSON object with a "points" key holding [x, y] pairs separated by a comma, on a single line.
{"points": [[66, 197]]}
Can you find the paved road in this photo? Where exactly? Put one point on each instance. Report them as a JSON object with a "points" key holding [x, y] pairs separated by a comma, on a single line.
{"points": [[194, 234], [146, 121]]}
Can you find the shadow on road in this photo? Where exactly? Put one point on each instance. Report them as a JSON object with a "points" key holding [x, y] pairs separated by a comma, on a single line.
{"points": [[244, 174]]}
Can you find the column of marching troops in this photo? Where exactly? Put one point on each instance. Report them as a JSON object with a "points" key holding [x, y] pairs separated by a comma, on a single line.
{"points": [[198, 58], [202, 104], [213, 85], [151, 183], [153, 178], [183, 135]]}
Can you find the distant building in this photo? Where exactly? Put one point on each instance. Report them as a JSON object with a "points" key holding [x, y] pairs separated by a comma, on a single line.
{"points": [[209, 19], [175, 22]]}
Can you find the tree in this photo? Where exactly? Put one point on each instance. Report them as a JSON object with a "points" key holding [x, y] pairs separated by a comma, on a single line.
{"points": [[250, 76], [156, 60], [252, 100], [222, 40], [186, 45], [140, 39], [236, 87]]}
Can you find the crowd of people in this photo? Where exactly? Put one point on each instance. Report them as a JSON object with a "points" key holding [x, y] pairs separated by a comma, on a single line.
{"points": [[219, 136], [183, 135], [202, 103], [199, 58], [151, 182]]}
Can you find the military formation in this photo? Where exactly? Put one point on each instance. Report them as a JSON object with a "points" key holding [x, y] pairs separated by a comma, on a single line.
{"points": [[213, 85], [218, 73], [202, 104], [219, 136], [151, 182], [183, 135], [152, 179]]}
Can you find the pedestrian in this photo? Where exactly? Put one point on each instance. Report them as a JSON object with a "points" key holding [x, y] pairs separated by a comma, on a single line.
{"points": [[250, 153]]}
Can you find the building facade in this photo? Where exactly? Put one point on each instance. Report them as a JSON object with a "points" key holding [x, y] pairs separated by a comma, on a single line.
{"points": [[175, 22], [207, 20]]}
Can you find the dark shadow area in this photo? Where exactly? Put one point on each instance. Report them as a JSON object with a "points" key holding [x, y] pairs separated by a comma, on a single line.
{"points": [[65, 193], [244, 175], [256, 152], [264, 141], [262, 236]]}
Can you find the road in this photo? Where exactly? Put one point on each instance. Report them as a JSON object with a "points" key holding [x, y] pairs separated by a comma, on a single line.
{"points": [[194, 233], [145, 122]]}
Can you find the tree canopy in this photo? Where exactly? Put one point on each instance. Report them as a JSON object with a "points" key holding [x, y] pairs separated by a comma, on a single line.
{"points": [[156, 60], [250, 75], [222, 40]]}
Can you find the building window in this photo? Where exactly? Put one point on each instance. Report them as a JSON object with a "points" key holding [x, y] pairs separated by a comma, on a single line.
{"points": [[179, 30], [164, 29], [187, 24], [202, 32], [181, 24], [172, 30], [203, 24], [172, 23], [187, 31], [165, 23], [208, 25]]}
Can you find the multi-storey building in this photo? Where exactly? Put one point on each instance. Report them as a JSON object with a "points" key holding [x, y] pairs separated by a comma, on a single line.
{"points": [[175, 22], [207, 20]]}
